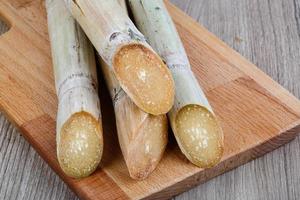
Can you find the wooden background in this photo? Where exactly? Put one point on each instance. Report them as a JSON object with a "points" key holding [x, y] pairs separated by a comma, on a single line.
{"points": [[267, 32]]}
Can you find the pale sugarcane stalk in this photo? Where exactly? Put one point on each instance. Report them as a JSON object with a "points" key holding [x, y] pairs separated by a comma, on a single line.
{"points": [[140, 71], [142, 136], [192, 119], [123, 5], [79, 127]]}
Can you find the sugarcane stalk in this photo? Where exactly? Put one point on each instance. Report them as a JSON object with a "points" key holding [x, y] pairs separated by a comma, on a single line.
{"points": [[123, 5], [79, 126], [142, 136], [140, 71], [193, 121]]}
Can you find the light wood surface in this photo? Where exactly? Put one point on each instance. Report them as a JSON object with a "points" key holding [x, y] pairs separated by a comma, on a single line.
{"points": [[22, 170]]}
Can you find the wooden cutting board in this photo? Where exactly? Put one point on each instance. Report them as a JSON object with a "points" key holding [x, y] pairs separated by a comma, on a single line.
{"points": [[256, 113]]}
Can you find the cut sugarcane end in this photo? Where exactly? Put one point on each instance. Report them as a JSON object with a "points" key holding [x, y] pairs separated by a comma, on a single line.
{"points": [[199, 136], [147, 150], [145, 78], [81, 145]]}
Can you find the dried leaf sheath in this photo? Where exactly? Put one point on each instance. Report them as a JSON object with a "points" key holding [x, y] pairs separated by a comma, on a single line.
{"points": [[79, 126], [140, 71], [192, 119]]}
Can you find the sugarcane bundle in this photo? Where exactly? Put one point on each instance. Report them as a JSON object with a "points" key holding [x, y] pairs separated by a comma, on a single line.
{"points": [[142, 136], [192, 119], [139, 70], [79, 127]]}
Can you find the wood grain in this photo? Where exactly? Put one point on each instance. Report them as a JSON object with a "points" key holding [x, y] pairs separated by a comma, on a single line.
{"points": [[227, 189], [267, 33]]}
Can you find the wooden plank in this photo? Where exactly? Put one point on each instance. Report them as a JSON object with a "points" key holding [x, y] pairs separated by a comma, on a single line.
{"points": [[23, 173], [250, 27], [257, 114], [98, 186]]}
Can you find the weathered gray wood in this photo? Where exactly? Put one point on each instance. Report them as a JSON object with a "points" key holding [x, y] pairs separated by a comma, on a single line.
{"points": [[264, 31], [268, 34]]}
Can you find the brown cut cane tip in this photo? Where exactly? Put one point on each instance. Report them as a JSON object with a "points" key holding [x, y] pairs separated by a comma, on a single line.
{"points": [[199, 136], [147, 149], [81, 145], [145, 78]]}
